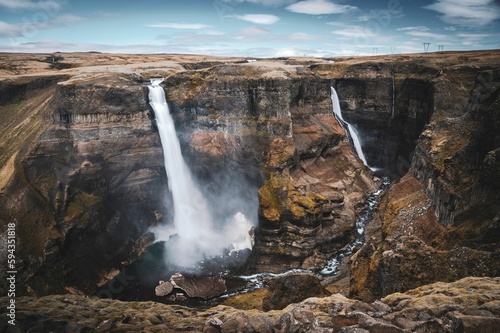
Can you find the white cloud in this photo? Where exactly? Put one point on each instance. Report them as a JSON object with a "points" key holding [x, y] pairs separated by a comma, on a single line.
{"points": [[257, 18], [422, 31], [253, 31], [298, 37], [272, 3], [416, 28], [353, 31], [474, 36], [187, 26], [426, 34], [381, 16], [50, 6], [472, 39], [195, 38], [319, 7], [251, 34], [9, 30], [472, 13], [288, 53], [30, 29]]}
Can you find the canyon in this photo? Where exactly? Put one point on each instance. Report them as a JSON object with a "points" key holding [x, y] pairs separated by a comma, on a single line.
{"points": [[82, 177]]}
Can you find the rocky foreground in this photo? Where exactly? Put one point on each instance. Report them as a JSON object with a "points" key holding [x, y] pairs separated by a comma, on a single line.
{"points": [[467, 305]]}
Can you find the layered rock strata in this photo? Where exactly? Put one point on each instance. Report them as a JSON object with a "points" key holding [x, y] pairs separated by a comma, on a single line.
{"points": [[89, 175], [440, 222], [312, 184]]}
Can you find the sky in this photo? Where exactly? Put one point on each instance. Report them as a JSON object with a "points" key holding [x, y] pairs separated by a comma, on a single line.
{"points": [[251, 28]]}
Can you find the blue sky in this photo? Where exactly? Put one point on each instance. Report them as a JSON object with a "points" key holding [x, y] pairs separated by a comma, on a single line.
{"points": [[256, 28]]}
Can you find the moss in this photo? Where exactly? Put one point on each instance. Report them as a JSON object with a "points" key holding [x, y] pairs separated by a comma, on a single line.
{"points": [[471, 229], [271, 196], [247, 301], [280, 194], [80, 205]]}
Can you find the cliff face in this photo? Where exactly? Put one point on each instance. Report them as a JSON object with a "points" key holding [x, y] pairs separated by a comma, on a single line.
{"points": [[88, 188], [94, 178], [440, 222], [91, 177], [310, 183]]}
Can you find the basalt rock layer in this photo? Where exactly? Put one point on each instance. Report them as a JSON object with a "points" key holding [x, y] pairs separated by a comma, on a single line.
{"points": [[83, 170], [440, 222]]}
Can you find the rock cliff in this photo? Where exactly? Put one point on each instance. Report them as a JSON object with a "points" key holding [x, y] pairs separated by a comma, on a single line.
{"points": [[440, 222], [82, 168]]}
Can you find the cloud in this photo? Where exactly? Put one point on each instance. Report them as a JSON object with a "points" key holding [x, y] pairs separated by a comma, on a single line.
{"points": [[29, 29], [49, 46], [193, 38], [427, 34], [470, 13], [252, 31], [416, 28], [51, 6], [289, 52], [381, 15], [318, 7], [9, 30], [252, 34], [422, 31], [257, 18], [472, 39], [271, 3], [186, 26], [352, 31], [299, 37]]}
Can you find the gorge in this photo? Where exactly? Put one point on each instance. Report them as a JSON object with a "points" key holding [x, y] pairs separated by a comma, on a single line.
{"points": [[83, 179]]}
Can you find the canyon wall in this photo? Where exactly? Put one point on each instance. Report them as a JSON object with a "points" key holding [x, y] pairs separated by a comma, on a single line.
{"points": [[440, 221], [88, 183]]}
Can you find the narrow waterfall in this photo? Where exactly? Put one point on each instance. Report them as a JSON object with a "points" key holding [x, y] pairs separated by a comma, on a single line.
{"points": [[349, 129], [194, 235], [393, 109]]}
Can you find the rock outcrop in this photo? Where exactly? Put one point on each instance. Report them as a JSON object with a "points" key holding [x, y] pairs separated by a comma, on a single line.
{"points": [[292, 288], [467, 305], [194, 287]]}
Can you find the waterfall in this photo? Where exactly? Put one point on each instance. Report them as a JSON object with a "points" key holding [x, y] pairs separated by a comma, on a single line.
{"points": [[393, 110], [349, 129], [194, 235]]}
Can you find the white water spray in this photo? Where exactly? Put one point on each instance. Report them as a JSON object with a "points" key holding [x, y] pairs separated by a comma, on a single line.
{"points": [[350, 129], [193, 236]]}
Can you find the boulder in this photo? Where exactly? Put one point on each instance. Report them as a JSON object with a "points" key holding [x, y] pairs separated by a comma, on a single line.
{"points": [[164, 288], [204, 287], [292, 288]]}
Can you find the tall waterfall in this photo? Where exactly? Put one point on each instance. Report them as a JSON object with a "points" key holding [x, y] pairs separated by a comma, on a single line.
{"points": [[349, 129], [194, 236]]}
